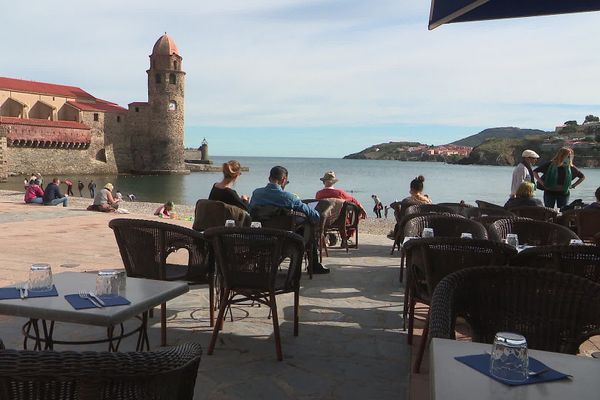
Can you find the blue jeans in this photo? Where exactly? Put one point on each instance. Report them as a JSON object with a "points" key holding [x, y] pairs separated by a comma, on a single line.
{"points": [[550, 198], [63, 200], [36, 200]]}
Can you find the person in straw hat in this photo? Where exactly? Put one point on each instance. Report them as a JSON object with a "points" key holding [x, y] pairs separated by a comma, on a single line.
{"points": [[104, 200], [523, 171]]}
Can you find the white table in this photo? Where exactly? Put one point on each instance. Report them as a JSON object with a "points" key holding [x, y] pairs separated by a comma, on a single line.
{"points": [[453, 380], [144, 294]]}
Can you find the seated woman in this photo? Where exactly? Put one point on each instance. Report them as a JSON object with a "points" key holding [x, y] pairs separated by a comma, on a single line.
{"points": [[416, 197], [595, 205], [34, 193], [104, 200], [524, 197], [166, 210], [222, 191]]}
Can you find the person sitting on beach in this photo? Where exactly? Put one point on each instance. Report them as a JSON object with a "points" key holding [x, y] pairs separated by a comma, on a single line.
{"points": [[53, 196], [523, 171], [595, 205], [34, 194], [166, 210], [222, 191], [274, 195], [524, 197], [104, 200]]}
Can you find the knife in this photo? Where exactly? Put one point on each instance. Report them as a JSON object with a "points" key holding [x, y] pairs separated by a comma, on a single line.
{"points": [[98, 299]]}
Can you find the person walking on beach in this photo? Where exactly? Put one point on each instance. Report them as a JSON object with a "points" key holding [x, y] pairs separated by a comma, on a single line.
{"points": [[378, 206], [80, 186], [69, 184], [558, 178], [92, 189], [53, 196], [523, 171]]}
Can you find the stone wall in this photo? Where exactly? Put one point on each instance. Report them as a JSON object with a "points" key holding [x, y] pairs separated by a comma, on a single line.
{"points": [[3, 152]]}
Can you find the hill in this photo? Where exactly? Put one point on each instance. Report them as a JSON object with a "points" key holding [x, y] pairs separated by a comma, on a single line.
{"points": [[497, 133], [404, 151]]}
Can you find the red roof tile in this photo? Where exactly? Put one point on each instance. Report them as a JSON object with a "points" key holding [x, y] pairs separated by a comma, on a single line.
{"points": [[19, 85], [42, 122], [99, 105]]}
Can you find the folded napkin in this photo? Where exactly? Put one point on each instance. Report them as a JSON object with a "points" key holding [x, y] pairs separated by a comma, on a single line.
{"points": [[481, 363], [80, 303], [13, 293]]}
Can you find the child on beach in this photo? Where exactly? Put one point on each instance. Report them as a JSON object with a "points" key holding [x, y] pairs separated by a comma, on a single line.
{"points": [[166, 210]]}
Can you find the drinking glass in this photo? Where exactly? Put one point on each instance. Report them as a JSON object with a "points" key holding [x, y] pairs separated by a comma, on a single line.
{"points": [[466, 235], [575, 242], [508, 360], [255, 224], [512, 239], [230, 223], [427, 233], [107, 283], [40, 278]]}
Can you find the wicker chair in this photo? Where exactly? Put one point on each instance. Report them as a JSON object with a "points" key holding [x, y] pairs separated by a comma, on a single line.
{"points": [[428, 209], [145, 246], [536, 233], [444, 226], [212, 213], [346, 221], [458, 208], [579, 260], [535, 212], [250, 262], [588, 225], [489, 219], [487, 205], [554, 311], [432, 259], [166, 374]]}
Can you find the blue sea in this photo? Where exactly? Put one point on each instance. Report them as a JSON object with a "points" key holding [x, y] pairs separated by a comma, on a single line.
{"points": [[388, 179]]}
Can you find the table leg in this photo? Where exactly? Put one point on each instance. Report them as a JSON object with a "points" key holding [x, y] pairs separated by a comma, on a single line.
{"points": [[48, 332], [143, 335]]}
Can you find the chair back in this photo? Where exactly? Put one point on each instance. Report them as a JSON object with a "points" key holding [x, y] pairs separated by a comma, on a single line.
{"points": [[444, 226], [459, 208], [535, 212], [432, 259], [487, 205], [427, 209], [213, 213], [250, 258], [348, 217], [554, 311], [578, 260], [145, 246], [166, 374], [489, 219], [277, 217], [531, 232], [588, 224]]}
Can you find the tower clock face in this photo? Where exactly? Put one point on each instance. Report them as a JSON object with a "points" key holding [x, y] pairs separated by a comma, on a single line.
{"points": [[172, 106]]}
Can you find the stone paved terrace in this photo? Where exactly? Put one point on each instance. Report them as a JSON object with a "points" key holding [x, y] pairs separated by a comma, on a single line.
{"points": [[350, 345]]}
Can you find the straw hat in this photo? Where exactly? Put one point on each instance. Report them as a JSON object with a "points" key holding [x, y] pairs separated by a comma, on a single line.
{"points": [[529, 154], [109, 186], [329, 176]]}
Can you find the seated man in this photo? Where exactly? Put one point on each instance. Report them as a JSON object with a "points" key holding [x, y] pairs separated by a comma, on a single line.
{"points": [[274, 195], [53, 196]]}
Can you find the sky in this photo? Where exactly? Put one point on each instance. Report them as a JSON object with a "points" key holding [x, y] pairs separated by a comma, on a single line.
{"points": [[316, 78]]}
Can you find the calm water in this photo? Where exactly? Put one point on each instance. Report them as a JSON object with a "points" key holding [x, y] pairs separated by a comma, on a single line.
{"points": [[388, 179]]}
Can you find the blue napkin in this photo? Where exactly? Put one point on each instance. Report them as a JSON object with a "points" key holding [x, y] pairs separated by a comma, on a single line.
{"points": [[79, 303], [481, 363], [13, 293]]}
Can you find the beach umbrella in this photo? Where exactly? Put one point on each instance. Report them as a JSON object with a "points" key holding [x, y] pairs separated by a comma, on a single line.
{"points": [[448, 11]]}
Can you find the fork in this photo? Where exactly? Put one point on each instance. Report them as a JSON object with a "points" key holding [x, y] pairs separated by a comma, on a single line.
{"points": [[85, 295]]}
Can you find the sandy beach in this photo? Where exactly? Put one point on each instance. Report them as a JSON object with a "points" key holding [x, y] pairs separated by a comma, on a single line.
{"points": [[370, 225]]}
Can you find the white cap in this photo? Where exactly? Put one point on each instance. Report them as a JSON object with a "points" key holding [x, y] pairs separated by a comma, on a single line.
{"points": [[530, 154]]}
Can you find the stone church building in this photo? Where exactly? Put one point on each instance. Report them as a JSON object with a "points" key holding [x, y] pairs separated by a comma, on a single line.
{"points": [[57, 129]]}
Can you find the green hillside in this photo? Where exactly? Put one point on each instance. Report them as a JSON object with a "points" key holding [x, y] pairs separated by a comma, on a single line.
{"points": [[504, 133]]}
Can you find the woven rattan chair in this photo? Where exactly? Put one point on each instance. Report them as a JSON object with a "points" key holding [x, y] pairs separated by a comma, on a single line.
{"points": [[554, 311], [212, 213], [488, 205], [145, 246], [579, 260], [458, 208], [250, 262], [535, 212], [346, 221], [489, 219], [535, 233], [588, 225], [444, 226], [431, 259], [166, 374]]}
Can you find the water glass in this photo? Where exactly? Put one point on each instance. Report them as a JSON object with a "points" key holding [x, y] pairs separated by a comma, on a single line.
{"points": [[107, 283], [466, 235], [512, 239], [508, 360], [40, 278], [427, 233], [230, 223], [255, 224], [576, 242]]}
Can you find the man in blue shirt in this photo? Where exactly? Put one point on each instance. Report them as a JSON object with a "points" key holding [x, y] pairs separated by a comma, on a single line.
{"points": [[53, 196], [274, 195]]}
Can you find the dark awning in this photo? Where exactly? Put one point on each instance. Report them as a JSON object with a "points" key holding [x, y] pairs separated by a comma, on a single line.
{"points": [[448, 11]]}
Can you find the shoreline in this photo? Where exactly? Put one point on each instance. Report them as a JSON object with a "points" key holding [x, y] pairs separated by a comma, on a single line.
{"points": [[370, 225]]}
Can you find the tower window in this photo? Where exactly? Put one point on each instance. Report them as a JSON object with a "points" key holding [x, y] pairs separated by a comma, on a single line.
{"points": [[172, 79], [157, 78], [96, 117], [172, 106], [118, 118]]}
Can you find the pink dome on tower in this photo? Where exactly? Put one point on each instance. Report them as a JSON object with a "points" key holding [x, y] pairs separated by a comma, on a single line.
{"points": [[165, 46]]}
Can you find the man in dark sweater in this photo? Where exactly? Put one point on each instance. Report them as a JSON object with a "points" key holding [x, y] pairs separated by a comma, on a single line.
{"points": [[53, 196]]}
